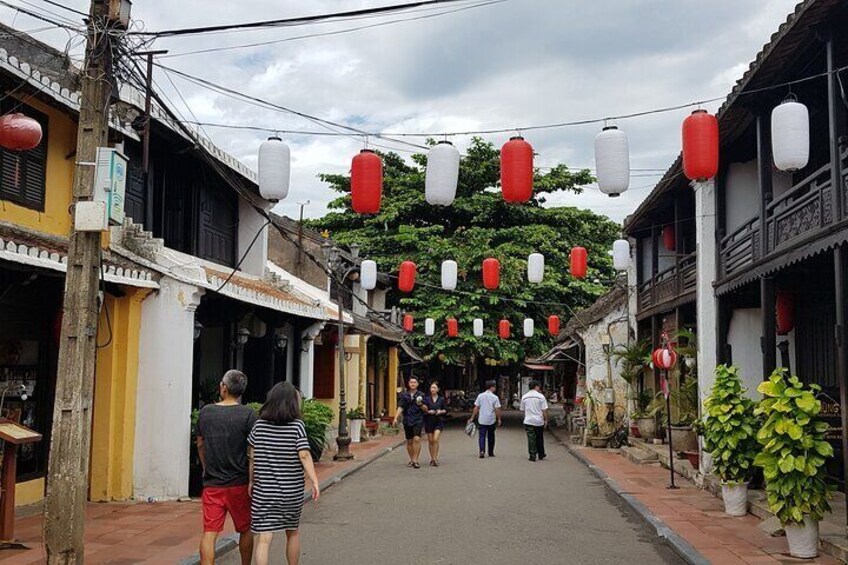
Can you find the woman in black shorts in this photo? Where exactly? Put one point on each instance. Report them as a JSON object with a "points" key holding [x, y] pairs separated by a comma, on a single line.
{"points": [[434, 421]]}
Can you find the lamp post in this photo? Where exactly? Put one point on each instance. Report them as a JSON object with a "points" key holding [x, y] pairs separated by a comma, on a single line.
{"points": [[339, 271]]}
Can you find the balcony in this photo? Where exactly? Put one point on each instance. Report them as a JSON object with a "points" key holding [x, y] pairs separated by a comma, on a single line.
{"points": [[670, 287], [801, 216]]}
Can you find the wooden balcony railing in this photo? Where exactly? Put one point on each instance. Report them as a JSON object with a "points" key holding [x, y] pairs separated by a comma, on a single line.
{"points": [[669, 285]]}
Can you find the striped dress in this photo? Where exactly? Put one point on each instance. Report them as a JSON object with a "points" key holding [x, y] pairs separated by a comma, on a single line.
{"points": [[278, 479]]}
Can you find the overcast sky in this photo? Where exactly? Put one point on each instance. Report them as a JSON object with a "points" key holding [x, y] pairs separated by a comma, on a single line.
{"points": [[506, 65]]}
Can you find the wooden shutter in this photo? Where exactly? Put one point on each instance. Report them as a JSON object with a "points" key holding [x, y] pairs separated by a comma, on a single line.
{"points": [[324, 376], [23, 173]]}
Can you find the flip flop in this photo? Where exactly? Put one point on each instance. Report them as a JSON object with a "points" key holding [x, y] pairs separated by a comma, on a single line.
{"points": [[410, 464], [416, 466]]}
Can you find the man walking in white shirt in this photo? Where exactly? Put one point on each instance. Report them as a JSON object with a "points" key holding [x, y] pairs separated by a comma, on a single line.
{"points": [[487, 410], [535, 408]]}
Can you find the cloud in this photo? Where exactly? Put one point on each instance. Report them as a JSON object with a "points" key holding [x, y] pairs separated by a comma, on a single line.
{"points": [[512, 64]]}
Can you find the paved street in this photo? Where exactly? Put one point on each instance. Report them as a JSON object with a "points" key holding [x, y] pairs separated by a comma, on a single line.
{"points": [[471, 511]]}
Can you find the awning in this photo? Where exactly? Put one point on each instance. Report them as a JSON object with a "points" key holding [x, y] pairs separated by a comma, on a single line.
{"points": [[534, 367], [558, 353]]}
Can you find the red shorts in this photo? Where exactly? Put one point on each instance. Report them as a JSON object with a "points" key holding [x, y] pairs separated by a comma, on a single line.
{"points": [[219, 501]]}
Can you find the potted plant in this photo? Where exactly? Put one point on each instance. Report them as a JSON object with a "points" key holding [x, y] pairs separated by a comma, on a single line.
{"points": [[595, 438], [356, 418], [316, 419], [729, 430], [683, 437], [646, 417], [632, 359], [793, 457]]}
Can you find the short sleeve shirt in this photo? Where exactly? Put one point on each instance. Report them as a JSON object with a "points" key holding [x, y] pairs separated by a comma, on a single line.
{"points": [[438, 404], [277, 470], [224, 429], [487, 402], [533, 404], [412, 413]]}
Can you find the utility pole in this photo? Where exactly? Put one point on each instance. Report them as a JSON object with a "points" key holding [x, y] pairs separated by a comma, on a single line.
{"points": [[67, 475]]}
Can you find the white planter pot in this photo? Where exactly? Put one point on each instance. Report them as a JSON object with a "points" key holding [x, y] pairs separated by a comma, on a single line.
{"points": [[803, 540], [735, 499], [356, 430]]}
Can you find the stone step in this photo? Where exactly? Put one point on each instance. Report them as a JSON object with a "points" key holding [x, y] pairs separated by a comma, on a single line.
{"points": [[639, 456]]}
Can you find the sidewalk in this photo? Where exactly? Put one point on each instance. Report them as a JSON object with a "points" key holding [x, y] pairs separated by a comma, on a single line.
{"points": [[695, 515], [161, 532]]}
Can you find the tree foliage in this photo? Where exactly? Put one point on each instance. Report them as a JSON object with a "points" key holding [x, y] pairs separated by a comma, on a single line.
{"points": [[478, 225]]}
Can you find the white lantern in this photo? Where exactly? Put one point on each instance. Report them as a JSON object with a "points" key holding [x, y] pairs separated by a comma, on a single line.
{"points": [[790, 136], [449, 270], [612, 161], [621, 254], [429, 326], [274, 169], [442, 174], [529, 326], [478, 327], [368, 275], [535, 267]]}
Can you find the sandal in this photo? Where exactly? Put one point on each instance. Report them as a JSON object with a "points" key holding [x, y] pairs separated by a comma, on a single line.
{"points": [[416, 466], [432, 463], [436, 463], [410, 464]]}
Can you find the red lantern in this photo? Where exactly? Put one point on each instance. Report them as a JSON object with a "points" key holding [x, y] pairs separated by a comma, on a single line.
{"points": [[453, 327], [503, 329], [19, 132], [579, 257], [491, 273], [517, 170], [553, 324], [669, 237], [406, 278], [366, 182], [700, 145], [664, 358], [785, 312], [408, 322]]}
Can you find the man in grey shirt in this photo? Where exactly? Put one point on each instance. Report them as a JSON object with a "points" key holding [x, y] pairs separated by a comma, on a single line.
{"points": [[487, 410]]}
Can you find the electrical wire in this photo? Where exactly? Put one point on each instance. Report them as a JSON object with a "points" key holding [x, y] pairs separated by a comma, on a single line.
{"points": [[38, 16], [68, 8], [244, 255]]}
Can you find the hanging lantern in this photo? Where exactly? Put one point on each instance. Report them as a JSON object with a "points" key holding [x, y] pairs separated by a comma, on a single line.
{"points": [[503, 329], [453, 327], [517, 170], [553, 325], [274, 169], [529, 327], [669, 237], [408, 323], [449, 270], [785, 312], [790, 135], [535, 268], [442, 174], [19, 132], [478, 327], [621, 254], [664, 358], [579, 257], [429, 326], [491, 273], [700, 145], [366, 182], [406, 278], [368, 275], [612, 161]]}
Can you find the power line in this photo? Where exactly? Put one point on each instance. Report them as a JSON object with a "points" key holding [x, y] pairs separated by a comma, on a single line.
{"points": [[68, 8], [286, 22], [39, 16]]}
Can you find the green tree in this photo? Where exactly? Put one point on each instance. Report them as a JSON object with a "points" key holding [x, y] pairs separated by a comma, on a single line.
{"points": [[478, 225]]}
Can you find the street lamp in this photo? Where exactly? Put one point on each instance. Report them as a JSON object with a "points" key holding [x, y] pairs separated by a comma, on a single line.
{"points": [[339, 271]]}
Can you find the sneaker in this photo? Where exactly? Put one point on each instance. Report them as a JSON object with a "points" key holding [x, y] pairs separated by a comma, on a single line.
{"points": [[482, 455], [542, 457], [532, 458]]}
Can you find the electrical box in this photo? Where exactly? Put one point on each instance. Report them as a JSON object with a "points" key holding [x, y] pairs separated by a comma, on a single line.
{"points": [[90, 216], [119, 12], [110, 182]]}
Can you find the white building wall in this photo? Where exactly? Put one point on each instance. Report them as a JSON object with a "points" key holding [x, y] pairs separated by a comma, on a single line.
{"points": [[250, 222], [742, 191], [307, 359], [746, 328], [596, 357], [163, 404]]}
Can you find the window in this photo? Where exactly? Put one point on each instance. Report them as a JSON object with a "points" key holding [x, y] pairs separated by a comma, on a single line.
{"points": [[22, 173]]}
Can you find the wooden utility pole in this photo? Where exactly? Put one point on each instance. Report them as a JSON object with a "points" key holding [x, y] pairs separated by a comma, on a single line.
{"points": [[67, 475]]}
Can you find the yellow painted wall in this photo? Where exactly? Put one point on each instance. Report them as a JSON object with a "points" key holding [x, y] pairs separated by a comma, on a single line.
{"points": [[394, 369], [351, 379], [61, 143], [115, 385], [29, 492]]}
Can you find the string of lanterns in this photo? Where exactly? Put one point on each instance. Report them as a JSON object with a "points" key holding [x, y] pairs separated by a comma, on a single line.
{"points": [[790, 129], [478, 326]]}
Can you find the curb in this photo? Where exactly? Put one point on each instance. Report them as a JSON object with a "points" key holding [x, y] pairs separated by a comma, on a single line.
{"points": [[680, 546], [229, 543]]}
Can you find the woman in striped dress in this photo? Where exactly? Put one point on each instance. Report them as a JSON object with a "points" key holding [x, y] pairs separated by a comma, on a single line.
{"points": [[279, 457]]}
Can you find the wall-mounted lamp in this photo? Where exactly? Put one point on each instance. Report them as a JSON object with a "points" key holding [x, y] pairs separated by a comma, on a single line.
{"points": [[242, 335], [348, 356], [281, 341], [198, 328]]}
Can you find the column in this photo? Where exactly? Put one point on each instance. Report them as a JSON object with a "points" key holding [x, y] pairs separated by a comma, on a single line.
{"points": [[392, 379], [768, 305], [707, 272]]}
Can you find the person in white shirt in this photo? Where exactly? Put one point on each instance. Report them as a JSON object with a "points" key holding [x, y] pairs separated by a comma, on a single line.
{"points": [[535, 408], [487, 410]]}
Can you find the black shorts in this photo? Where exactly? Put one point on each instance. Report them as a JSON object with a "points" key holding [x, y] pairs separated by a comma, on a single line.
{"points": [[412, 431], [433, 424]]}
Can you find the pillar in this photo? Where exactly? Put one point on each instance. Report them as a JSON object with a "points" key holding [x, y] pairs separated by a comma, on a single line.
{"points": [[392, 380], [707, 272], [768, 304]]}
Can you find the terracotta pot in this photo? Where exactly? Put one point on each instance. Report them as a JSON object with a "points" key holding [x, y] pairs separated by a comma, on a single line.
{"points": [[647, 428], [694, 458], [634, 430]]}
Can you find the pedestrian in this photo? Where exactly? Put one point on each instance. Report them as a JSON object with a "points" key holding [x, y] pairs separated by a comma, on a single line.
{"points": [[410, 407], [280, 458], [435, 409], [487, 410], [535, 408], [222, 432]]}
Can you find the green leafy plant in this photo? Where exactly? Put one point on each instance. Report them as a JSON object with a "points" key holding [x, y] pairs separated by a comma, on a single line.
{"points": [[794, 450], [685, 397], [356, 413], [729, 427], [316, 419], [643, 401], [633, 358]]}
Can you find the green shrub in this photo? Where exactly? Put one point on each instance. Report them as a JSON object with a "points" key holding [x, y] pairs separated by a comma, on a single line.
{"points": [[316, 419], [794, 449], [356, 414], [729, 427]]}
